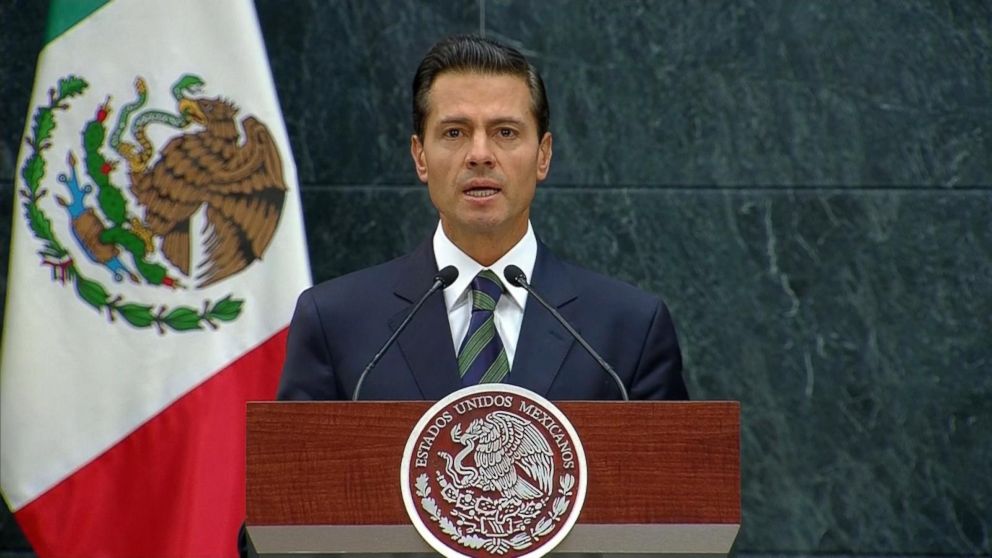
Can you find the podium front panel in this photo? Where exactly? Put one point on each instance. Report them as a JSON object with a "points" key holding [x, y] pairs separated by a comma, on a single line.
{"points": [[660, 473]]}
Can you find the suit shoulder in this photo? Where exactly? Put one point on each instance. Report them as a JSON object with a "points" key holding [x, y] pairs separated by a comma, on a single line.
{"points": [[370, 280], [606, 288]]}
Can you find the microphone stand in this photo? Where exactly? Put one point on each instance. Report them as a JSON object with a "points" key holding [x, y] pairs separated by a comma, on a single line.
{"points": [[517, 277]]}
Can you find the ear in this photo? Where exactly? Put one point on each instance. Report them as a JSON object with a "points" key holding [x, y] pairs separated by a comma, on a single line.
{"points": [[544, 156], [419, 159]]}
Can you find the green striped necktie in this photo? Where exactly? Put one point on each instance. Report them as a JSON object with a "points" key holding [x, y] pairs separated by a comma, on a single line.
{"points": [[482, 358]]}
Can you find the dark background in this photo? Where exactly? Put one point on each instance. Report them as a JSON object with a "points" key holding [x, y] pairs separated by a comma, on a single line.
{"points": [[807, 183]]}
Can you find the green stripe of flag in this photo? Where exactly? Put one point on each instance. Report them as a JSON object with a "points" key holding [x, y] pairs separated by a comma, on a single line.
{"points": [[63, 14]]}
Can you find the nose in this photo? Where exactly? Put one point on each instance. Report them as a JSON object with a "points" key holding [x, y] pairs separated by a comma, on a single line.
{"points": [[480, 152]]}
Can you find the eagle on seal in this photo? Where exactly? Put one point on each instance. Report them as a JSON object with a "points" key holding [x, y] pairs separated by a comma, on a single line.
{"points": [[240, 183], [511, 457]]}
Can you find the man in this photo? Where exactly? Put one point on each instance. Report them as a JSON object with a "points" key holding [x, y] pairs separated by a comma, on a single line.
{"points": [[481, 144]]}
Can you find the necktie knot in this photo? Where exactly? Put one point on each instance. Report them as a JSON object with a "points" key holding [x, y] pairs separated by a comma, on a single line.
{"points": [[486, 290]]}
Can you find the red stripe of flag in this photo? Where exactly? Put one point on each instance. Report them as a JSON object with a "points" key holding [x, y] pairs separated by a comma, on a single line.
{"points": [[172, 488]]}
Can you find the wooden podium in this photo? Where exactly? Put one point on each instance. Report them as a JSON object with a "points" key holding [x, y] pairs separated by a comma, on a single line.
{"points": [[324, 478]]}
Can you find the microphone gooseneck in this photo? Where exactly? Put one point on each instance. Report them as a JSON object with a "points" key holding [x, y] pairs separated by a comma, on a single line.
{"points": [[516, 276], [442, 280]]}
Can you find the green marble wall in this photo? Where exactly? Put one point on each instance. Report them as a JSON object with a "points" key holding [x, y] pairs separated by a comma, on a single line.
{"points": [[807, 183]]}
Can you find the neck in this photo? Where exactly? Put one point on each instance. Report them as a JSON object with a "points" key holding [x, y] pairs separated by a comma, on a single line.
{"points": [[486, 249]]}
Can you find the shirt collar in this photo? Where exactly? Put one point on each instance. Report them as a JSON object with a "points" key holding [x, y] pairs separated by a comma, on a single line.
{"points": [[523, 255]]}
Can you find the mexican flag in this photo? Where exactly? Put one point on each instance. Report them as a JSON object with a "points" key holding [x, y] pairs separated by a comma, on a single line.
{"points": [[156, 254]]}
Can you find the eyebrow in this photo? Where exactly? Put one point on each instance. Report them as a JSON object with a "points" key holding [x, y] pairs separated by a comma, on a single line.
{"points": [[493, 122]]}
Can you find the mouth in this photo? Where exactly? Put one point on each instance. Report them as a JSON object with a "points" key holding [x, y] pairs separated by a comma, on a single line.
{"points": [[481, 192], [480, 188]]}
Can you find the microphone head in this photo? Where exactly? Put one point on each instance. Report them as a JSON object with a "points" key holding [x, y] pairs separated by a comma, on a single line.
{"points": [[447, 276], [515, 275]]}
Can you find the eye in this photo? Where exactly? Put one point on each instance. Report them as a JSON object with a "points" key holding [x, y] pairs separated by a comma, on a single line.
{"points": [[452, 133], [507, 133]]}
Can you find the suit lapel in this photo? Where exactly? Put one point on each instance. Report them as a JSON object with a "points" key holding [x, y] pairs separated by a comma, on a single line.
{"points": [[543, 342], [426, 343]]}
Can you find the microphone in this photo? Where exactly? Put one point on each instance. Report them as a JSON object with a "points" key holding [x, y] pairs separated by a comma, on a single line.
{"points": [[517, 277], [442, 280]]}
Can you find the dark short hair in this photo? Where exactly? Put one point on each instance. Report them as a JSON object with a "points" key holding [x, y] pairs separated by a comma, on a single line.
{"points": [[467, 53]]}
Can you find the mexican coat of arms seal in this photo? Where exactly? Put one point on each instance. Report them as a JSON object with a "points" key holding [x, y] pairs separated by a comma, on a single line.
{"points": [[493, 470]]}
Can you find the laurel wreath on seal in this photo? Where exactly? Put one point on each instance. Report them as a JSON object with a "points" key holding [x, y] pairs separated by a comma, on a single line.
{"points": [[497, 546], [56, 256]]}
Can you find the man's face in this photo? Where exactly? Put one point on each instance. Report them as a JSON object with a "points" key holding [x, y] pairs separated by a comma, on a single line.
{"points": [[480, 155]]}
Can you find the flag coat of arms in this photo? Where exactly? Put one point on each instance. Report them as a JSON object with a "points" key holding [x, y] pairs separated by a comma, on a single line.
{"points": [[157, 250]]}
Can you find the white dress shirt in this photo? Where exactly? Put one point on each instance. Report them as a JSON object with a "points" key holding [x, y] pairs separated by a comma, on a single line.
{"points": [[509, 312]]}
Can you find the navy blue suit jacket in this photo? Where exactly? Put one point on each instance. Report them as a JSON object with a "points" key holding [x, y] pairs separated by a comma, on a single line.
{"points": [[340, 324]]}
